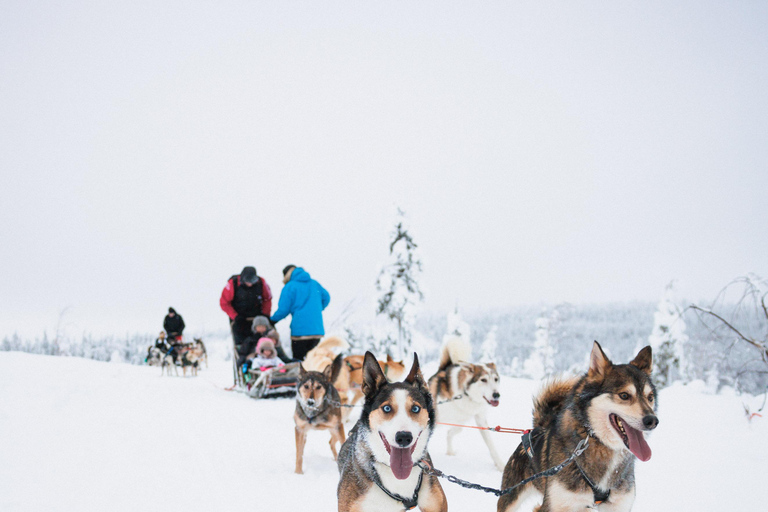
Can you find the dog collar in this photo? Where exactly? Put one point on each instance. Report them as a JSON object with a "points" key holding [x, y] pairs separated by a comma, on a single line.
{"points": [[407, 503]]}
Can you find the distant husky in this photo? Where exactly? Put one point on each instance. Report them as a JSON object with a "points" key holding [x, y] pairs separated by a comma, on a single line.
{"points": [[377, 460], [612, 405], [155, 356], [167, 364], [190, 359], [317, 407], [349, 383], [203, 352], [466, 391]]}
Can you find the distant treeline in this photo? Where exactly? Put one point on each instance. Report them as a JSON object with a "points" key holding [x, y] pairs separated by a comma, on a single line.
{"points": [[621, 328]]}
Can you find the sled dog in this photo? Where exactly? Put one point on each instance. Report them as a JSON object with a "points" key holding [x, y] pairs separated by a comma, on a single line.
{"points": [[203, 352], [155, 357], [350, 380], [190, 358], [377, 460], [612, 406], [317, 407], [322, 356], [166, 365], [463, 390]]}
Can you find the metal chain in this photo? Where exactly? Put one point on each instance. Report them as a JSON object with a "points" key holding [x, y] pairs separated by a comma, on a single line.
{"points": [[457, 397], [469, 485], [339, 404]]}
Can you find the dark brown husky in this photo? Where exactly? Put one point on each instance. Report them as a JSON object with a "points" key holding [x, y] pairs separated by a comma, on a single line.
{"points": [[611, 406], [317, 407]]}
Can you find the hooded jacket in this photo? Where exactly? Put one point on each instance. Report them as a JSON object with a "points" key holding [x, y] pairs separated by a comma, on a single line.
{"points": [[304, 299]]}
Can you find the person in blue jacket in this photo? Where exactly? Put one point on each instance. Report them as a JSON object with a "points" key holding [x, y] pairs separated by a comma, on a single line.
{"points": [[304, 299]]}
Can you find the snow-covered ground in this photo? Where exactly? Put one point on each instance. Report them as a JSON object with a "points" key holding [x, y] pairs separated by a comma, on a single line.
{"points": [[82, 435]]}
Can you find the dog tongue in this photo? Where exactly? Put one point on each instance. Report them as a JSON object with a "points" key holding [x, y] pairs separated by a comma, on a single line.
{"points": [[401, 463], [637, 444]]}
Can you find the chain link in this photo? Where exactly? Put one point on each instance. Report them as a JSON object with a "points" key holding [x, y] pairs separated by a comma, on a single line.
{"points": [[469, 485], [457, 397]]}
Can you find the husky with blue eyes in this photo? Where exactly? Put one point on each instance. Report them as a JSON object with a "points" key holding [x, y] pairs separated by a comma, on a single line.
{"points": [[377, 461]]}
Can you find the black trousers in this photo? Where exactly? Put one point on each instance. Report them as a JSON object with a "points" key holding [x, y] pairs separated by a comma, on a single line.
{"points": [[300, 347]]}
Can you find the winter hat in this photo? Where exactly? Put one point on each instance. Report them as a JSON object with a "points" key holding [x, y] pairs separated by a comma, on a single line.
{"points": [[260, 320], [287, 268], [171, 310], [265, 344], [248, 275]]}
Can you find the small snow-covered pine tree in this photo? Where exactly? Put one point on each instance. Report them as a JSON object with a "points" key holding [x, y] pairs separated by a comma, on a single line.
{"points": [[457, 326], [488, 348], [668, 341], [541, 362], [398, 283]]}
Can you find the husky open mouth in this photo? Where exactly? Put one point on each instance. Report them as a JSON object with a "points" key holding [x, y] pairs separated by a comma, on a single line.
{"points": [[633, 438], [400, 459], [492, 403]]}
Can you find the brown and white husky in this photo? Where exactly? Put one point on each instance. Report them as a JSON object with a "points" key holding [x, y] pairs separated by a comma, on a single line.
{"points": [[317, 408], [378, 461]]}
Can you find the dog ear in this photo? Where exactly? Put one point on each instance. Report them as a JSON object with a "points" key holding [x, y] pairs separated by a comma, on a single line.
{"points": [[492, 366], [389, 358], [302, 371], [643, 361], [373, 377], [331, 372], [415, 378], [599, 364]]}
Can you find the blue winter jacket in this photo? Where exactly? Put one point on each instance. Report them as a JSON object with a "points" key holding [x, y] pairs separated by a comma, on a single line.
{"points": [[304, 299]]}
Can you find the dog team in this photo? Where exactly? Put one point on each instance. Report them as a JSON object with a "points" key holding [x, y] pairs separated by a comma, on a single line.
{"points": [[589, 428], [580, 453]]}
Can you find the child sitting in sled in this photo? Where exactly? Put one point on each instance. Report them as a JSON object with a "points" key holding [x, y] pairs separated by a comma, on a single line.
{"points": [[266, 355]]}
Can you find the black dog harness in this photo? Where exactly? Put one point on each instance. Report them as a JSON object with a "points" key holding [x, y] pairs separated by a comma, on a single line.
{"points": [[532, 438], [407, 503]]}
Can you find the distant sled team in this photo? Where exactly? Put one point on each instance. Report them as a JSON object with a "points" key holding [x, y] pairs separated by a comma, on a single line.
{"points": [[188, 356]]}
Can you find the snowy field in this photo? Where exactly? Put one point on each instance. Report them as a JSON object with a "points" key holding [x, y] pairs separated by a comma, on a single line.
{"points": [[80, 435]]}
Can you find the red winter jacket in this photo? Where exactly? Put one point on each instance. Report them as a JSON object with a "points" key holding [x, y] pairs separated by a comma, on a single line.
{"points": [[229, 293]]}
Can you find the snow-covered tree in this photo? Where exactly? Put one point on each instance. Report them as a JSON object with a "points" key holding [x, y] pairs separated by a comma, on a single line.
{"points": [[457, 326], [668, 341], [488, 348], [398, 283], [541, 361]]}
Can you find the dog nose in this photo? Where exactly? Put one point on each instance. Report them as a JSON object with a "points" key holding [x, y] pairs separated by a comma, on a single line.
{"points": [[496, 396], [650, 421], [403, 438], [310, 401]]}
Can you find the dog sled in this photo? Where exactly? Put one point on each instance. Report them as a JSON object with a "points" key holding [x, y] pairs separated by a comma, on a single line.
{"points": [[275, 382]]}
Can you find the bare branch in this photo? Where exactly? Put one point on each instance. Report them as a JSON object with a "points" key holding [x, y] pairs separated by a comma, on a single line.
{"points": [[756, 344]]}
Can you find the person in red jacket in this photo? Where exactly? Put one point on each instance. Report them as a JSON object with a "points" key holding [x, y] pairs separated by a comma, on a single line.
{"points": [[245, 297]]}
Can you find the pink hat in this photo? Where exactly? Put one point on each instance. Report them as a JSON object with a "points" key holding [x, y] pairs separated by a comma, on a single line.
{"points": [[265, 344]]}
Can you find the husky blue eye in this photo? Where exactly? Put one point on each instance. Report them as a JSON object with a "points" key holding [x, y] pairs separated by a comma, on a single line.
{"points": [[415, 409], [386, 408], [624, 396]]}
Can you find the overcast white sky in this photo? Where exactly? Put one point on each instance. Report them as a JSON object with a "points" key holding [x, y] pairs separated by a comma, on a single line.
{"points": [[587, 152]]}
